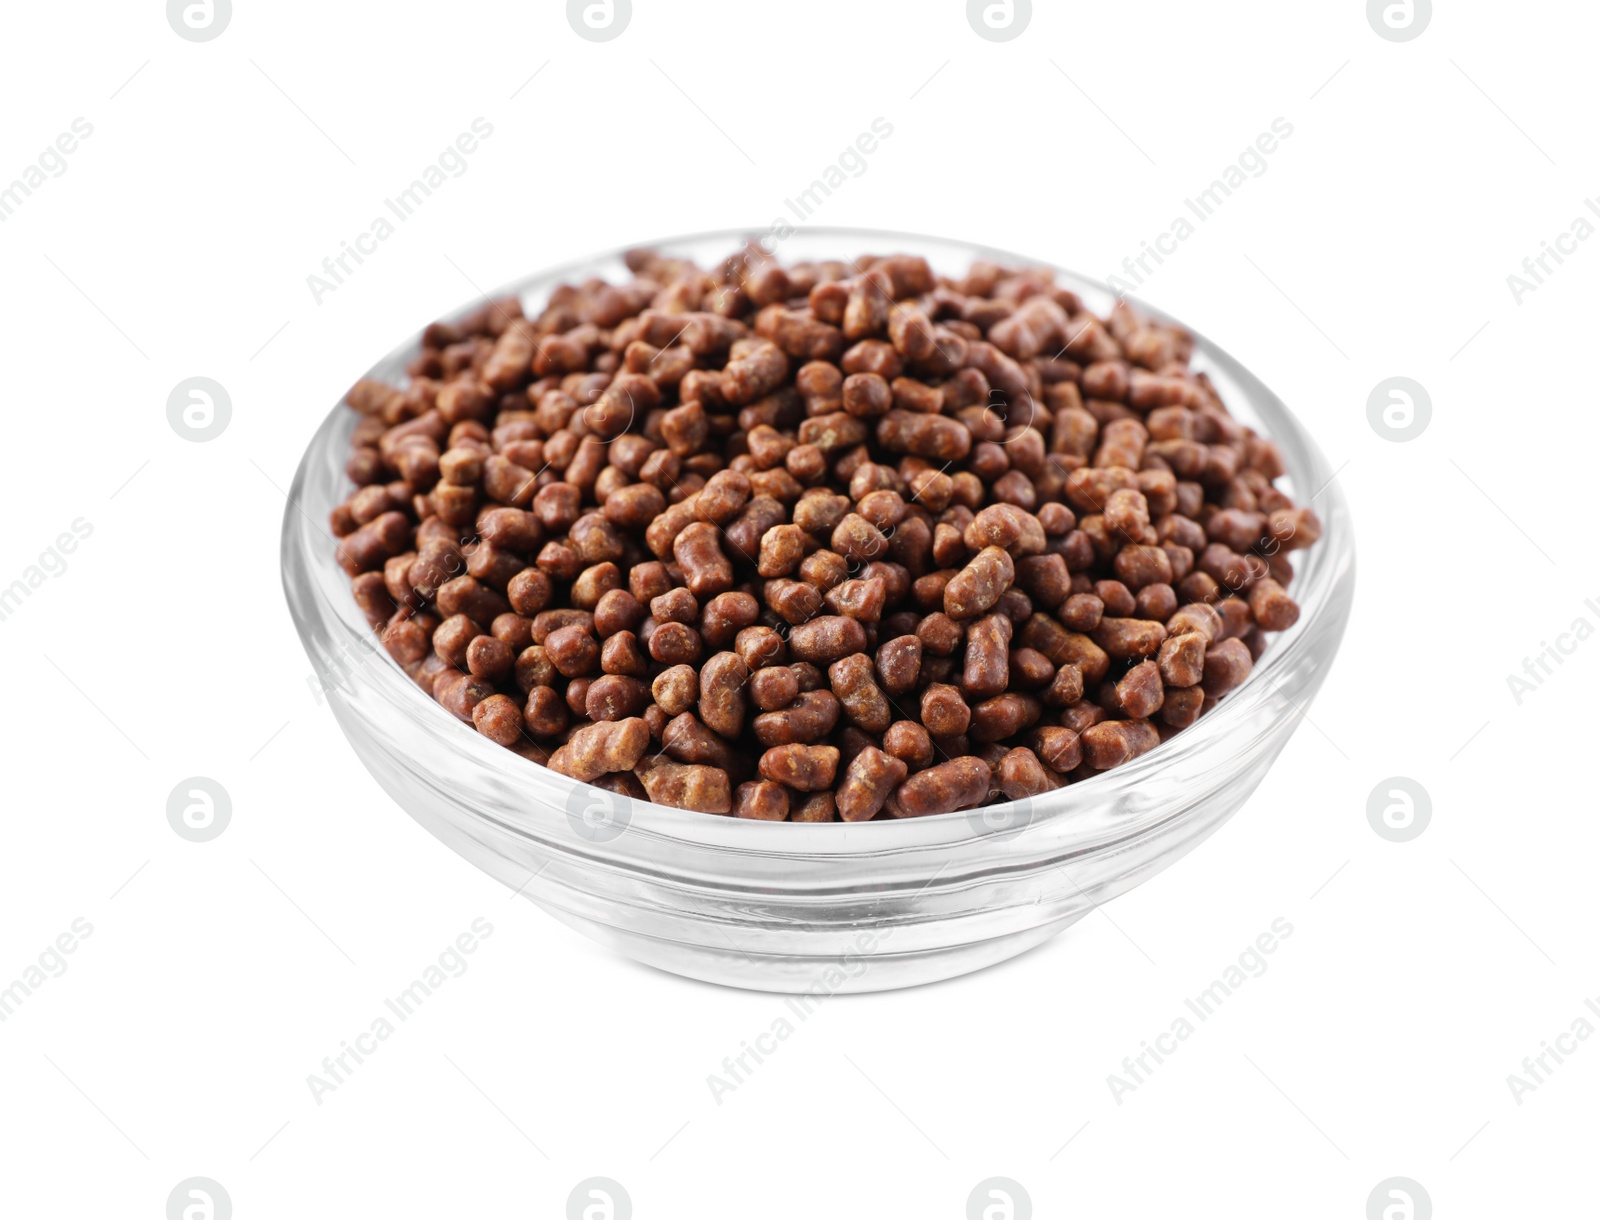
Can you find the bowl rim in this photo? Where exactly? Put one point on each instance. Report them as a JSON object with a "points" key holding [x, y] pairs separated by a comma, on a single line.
{"points": [[1324, 592]]}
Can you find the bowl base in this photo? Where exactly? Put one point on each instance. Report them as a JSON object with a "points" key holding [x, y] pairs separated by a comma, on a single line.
{"points": [[797, 975], [810, 980]]}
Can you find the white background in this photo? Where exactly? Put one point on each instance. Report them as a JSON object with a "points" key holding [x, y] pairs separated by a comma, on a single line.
{"points": [[177, 243]]}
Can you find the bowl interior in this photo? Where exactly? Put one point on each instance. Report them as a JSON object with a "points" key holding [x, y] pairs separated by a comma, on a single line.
{"points": [[1079, 816]]}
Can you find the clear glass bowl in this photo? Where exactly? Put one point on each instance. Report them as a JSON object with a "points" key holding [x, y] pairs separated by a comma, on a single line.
{"points": [[822, 908]]}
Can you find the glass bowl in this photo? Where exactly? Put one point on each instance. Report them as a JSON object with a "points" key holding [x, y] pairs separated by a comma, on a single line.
{"points": [[823, 908]]}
